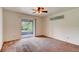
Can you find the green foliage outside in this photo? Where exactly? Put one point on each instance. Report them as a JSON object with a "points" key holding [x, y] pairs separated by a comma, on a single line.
{"points": [[26, 26]]}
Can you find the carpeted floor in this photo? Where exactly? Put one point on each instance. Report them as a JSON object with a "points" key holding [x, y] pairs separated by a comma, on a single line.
{"points": [[39, 44]]}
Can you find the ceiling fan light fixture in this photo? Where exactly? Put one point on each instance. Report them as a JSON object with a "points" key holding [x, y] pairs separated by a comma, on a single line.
{"points": [[39, 10]]}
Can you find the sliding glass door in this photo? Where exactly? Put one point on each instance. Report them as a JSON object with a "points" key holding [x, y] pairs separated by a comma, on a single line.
{"points": [[27, 28]]}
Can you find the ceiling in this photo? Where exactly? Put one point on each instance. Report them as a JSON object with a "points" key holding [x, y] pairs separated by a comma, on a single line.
{"points": [[28, 10]]}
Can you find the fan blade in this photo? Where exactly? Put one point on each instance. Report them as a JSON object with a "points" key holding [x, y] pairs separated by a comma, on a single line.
{"points": [[45, 11], [34, 12]]}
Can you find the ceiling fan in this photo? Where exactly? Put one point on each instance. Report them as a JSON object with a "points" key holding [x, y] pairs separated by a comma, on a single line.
{"points": [[39, 10]]}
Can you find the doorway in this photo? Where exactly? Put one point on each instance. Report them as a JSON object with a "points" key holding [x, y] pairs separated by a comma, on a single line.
{"points": [[27, 28]]}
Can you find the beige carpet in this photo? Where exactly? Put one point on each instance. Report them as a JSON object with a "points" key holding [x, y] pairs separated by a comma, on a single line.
{"points": [[38, 44]]}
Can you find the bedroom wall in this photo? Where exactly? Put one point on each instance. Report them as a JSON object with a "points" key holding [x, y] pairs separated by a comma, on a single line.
{"points": [[12, 24], [1, 27], [66, 29]]}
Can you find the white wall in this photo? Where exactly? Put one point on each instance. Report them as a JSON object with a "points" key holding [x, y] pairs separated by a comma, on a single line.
{"points": [[1, 28], [66, 29], [39, 26], [12, 24]]}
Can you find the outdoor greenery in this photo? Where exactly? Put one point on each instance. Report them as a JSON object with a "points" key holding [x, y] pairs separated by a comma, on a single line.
{"points": [[26, 26]]}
